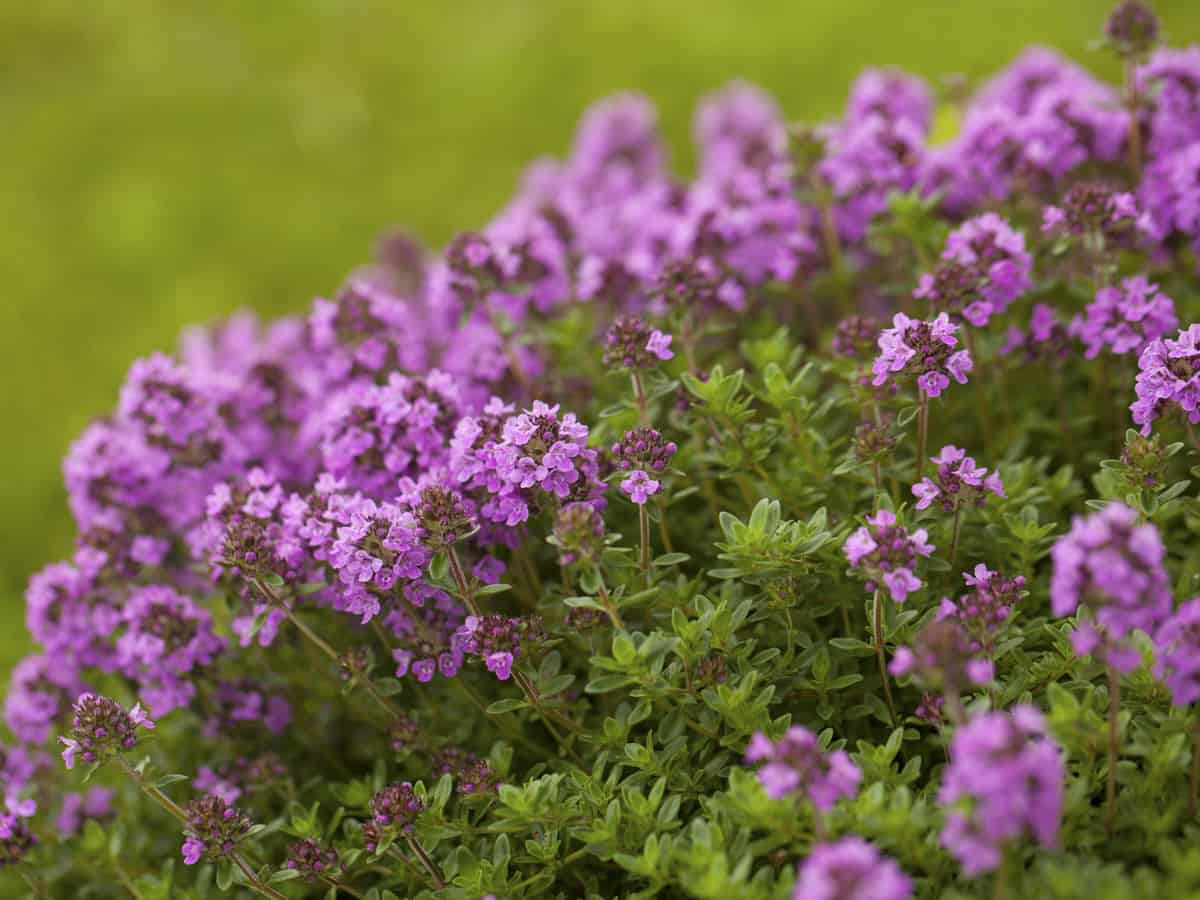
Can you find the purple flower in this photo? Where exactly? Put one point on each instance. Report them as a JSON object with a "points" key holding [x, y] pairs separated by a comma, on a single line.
{"points": [[642, 448], [212, 829], [959, 482], [1113, 566], [1177, 651], [923, 350], [982, 611], [499, 640], [1004, 784], [1125, 319], [984, 268], [101, 729], [660, 345], [312, 859], [884, 553], [639, 486], [796, 762], [1168, 371], [943, 656], [850, 869], [395, 808]]}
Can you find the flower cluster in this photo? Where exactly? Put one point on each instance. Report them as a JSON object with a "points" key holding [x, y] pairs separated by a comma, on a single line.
{"points": [[1125, 319], [632, 344], [1113, 566], [984, 268], [1177, 653], [885, 554], [959, 483], [394, 810], [850, 869], [1004, 783], [101, 729], [471, 774], [796, 763], [499, 640], [212, 829], [943, 655], [312, 859], [983, 610], [923, 351], [1168, 376]]}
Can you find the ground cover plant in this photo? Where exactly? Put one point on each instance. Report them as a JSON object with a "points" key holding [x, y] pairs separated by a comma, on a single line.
{"points": [[822, 527]]}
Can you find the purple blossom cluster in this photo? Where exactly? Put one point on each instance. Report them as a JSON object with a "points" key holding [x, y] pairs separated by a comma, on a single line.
{"points": [[923, 351], [1113, 566], [885, 554], [212, 829], [394, 811], [984, 268], [850, 869], [639, 453], [796, 763], [983, 610], [1177, 653], [101, 729], [499, 640], [1004, 783], [943, 655], [958, 484], [1168, 370], [1125, 319]]}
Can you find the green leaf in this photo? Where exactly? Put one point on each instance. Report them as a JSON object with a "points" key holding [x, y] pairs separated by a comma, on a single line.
{"points": [[508, 704], [606, 683], [671, 559]]}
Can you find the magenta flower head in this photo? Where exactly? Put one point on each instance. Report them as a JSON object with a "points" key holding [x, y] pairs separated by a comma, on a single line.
{"points": [[394, 811], [101, 729], [499, 640], [1113, 566], [631, 343], [639, 486], [1004, 784], [959, 482], [1177, 653], [885, 553], [984, 268], [1168, 376], [921, 350], [943, 656], [796, 763], [1125, 319], [312, 859], [212, 829], [982, 611], [850, 869], [16, 839]]}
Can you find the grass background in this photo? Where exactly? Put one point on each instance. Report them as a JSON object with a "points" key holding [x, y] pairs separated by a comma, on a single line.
{"points": [[165, 161]]}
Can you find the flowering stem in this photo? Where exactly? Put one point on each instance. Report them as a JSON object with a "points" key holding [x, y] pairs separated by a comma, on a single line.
{"points": [[427, 863], [173, 808], [609, 607], [644, 526], [531, 694], [1000, 891], [877, 627], [254, 882], [1194, 788], [1133, 100], [460, 579], [954, 538], [639, 396], [922, 434], [342, 886], [1114, 707]]}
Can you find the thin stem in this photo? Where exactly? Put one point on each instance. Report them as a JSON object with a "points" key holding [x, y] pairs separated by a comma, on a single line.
{"points": [[1194, 787], [609, 607], [639, 396], [254, 882], [460, 579], [1114, 748], [126, 881], [427, 863], [922, 434], [1000, 891], [174, 809], [342, 886], [954, 539], [877, 628], [1133, 99], [644, 526]]}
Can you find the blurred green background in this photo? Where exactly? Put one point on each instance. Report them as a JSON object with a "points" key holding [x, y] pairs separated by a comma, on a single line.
{"points": [[165, 161]]}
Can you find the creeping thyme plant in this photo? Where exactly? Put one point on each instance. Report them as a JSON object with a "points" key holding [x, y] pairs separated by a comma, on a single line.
{"points": [[822, 527]]}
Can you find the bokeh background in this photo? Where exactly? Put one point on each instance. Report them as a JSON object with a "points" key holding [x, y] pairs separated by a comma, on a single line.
{"points": [[168, 161]]}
